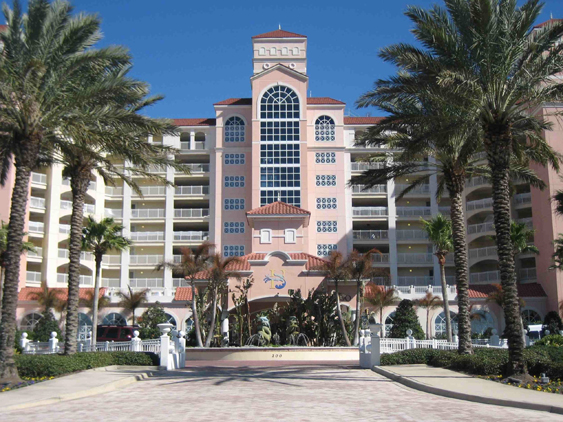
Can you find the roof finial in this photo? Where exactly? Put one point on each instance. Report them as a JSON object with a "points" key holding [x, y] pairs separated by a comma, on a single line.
{"points": [[279, 26]]}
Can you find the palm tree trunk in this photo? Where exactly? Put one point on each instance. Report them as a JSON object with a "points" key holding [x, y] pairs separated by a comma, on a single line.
{"points": [[196, 317], [133, 315], [213, 316], [455, 188], [1, 287], [339, 312], [497, 144], [427, 323], [359, 296], [445, 299], [96, 300], [79, 186], [20, 193]]}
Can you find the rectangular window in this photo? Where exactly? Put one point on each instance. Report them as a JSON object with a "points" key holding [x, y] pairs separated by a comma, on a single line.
{"points": [[280, 177], [233, 227], [290, 236], [234, 204], [326, 226], [292, 197], [279, 154], [325, 157], [233, 250], [283, 131], [265, 236], [234, 181], [325, 180], [326, 203], [325, 249], [234, 159]]}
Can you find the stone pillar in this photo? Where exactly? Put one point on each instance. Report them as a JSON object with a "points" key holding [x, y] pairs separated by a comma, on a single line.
{"points": [[392, 221], [165, 356], [225, 328], [136, 342], [53, 343], [494, 340], [182, 349], [192, 140], [24, 342], [375, 344]]}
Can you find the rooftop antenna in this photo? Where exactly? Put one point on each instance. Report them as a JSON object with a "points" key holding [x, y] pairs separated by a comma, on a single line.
{"points": [[310, 93], [279, 26]]}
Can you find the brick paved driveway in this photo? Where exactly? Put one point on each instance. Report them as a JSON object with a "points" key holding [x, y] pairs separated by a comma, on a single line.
{"points": [[297, 393]]}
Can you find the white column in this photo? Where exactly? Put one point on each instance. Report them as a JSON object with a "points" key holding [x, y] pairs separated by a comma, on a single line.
{"points": [[51, 236], [349, 226], [434, 211], [169, 229], [192, 140], [392, 221], [124, 277]]}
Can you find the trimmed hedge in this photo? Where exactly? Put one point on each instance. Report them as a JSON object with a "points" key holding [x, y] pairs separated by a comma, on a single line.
{"points": [[55, 365], [539, 359]]}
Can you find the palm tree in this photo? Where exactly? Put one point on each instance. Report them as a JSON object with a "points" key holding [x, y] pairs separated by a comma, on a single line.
{"points": [[100, 238], [49, 299], [131, 300], [520, 235], [557, 256], [439, 231], [89, 300], [361, 270], [192, 263], [429, 302], [336, 268], [380, 297], [218, 276]]}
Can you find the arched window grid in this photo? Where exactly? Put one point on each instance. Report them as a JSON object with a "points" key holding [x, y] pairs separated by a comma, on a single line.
{"points": [[30, 321], [325, 129], [531, 317], [234, 129], [170, 319], [440, 323], [389, 323], [114, 318]]}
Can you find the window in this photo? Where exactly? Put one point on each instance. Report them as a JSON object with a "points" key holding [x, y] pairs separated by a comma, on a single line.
{"points": [[234, 129], [273, 51], [325, 157], [324, 129], [30, 321], [440, 324], [275, 177], [234, 181], [233, 227], [170, 320], [530, 317], [280, 131], [114, 319], [480, 321], [389, 323], [296, 51], [288, 196], [265, 236], [234, 159], [84, 326], [290, 236], [325, 180], [233, 250], [284, 51], [326, 203], [234, 204], [279, 154], [262, 51], [325, 249], [326, 226]]}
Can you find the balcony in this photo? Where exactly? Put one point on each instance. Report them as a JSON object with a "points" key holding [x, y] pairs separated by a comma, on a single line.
{"points": [[419, 190], [179, 282], [361, 190], [527, 274], [370, 211], [191, 190], [151, 260], [88, 208], [37, 203], [445, 210], [113, 212], [110, 282], [84, 256], [33, 276], [478, 253], [111, 259], [486, 277], [523, 198], [412, 235], [86, 280], [92, 185], [148, 213], [370, 234], [413, 211], [191, 236], [191, 213], [146, 283], [36, 227], [151, 191], [527, 221], [147, 236], [480, 228], [477, 181], [417, 280], [415, 258], [380, 258], [64, 228], [39, 178], [360, 166], [479, 204], [197, 168], [114, 190], [185, 146], [38, 253]]}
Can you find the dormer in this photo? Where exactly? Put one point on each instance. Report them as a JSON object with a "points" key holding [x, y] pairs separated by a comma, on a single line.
{"points": [[279, 47]]}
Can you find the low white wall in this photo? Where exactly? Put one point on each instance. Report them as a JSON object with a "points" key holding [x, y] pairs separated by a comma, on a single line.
{"points": [[274, 353]]}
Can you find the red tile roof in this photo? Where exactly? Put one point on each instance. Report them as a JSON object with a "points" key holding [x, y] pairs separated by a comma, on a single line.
{"points": [[235, 101], [3, 28], [548, 23], [194, 122], [524, 290], [362, 120], [323, 100], [279, 33], [28, 293], [183, 293], [278, 208]]}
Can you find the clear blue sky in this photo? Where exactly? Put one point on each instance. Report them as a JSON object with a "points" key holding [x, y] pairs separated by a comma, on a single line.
{"points": [[199, 52]]}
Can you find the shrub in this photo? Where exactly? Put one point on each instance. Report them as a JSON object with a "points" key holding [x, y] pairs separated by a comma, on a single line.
{"points": [[405, 318], [56, 365], [552, 322], [148, 322], [550, 340], [45, 326]]}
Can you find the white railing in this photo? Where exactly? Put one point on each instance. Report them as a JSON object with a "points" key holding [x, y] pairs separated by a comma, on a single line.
{"points": [[113, 212], [415, 280], [361, 189], [111, 259], [110, 282], [527, 274], [36, 227], [147, 236], [114, 190], [445, 210], [479, 204], [145, 259], [480, 228], [483, 252], [485, 277], [84, 256], [192, 190], [419, 190], [146, 282], [191, 212], [33, 276], [359, 166], [370, 234], [148, 213], [415, 258], [179, 282], [84, 279], [39, 178], [527, 221], [523, 198], [64, 228], [370, 211], [380, 258], [477, 181], [151, 191], [393, 345], [37, 203], [92, 185], [413, 211], [38, 253], [197, 168], [191, 236], [411, 235], [88, 208]]}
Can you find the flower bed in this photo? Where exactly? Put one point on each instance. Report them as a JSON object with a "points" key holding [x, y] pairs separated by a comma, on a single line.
{"points": [[553, 386]]}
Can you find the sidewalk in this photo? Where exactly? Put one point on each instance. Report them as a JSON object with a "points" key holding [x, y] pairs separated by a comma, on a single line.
{"points": [[444, 382], [74, 386]]}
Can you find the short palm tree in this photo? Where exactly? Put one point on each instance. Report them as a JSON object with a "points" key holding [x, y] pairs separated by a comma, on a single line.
{"points": [[520, 236], [132, 300], [336, 268], [430, 302], [48, 298], [88, 302], [557, 256], [439, 231], [381, 297], [100, 238]]}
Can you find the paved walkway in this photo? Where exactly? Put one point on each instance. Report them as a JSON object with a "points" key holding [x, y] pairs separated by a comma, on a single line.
{"points": [[252, 393]]}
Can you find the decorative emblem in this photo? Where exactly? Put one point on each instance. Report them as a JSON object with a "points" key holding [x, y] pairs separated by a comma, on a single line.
{"points": [[277, 280]]}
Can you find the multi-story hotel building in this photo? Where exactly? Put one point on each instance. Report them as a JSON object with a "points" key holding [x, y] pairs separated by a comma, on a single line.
{"points": [[268, 182]]}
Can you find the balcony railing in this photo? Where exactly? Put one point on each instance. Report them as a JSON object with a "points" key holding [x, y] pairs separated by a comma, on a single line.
{"points": [[151, 191], [147, 236], [88, 208], [64, 228], [86, 280], [419, 190], [360, 189], [479, 204], [179, 282], [415, 258], [92, 185], [37, 203], [526, 274], [412, 235], [110, 282], [145, 259], [370, 234], [359, 166], [380, 258], [113, 212], [445, 210], [477, 181], [485, 277], [523, 198], [36, 227], [370, 211], [191, 212], [38, 253], [198, 168], [480, 228], [34, 276], [192, 190], [416, 280], [413, 211], [148, 213], [39, 178], [483, 252], [111, 259], [84, 256], [191, 236], [114, 190], [527, 221], [146, 283]]}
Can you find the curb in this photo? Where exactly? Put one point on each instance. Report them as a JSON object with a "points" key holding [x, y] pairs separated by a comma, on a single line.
{"points": [[106, 388], [417, 385]]}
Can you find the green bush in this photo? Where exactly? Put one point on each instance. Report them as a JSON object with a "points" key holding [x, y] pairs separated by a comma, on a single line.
{"points": [[148, 322], [552, 322], [405, 318], [56, 365], [46, 325], [550, 340]]}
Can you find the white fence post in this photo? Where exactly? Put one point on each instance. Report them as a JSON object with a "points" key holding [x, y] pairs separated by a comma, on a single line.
{"points": [[494, 340], [182, 349], [165, 358], [136, 342], [411, 341], [106, 346], [24, 342], [53, 342], [375, 344], [364, 347]]}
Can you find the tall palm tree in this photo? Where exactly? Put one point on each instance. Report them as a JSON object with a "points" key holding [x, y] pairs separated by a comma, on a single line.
{"points": [[361, 270], [132, 300], [429, 302], [191, 266], [439, 231], [381, 297], [557, 256], [336, 268], [100, 238], [218, 276]]}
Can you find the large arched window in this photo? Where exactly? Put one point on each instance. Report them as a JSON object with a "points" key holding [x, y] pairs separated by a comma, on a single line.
{"points": [[115, 319], [234, 129], [189, 323], [531, 317], [389, 323], [324, 129], [30, 321], [280, 178], [440, 324], [480, 321], [170, 319]]}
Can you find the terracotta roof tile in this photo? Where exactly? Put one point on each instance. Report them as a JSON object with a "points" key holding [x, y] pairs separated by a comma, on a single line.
{"points": [[323, 100], [278, 208], [547, 23], [28, 293], [235, 101], [479, 291], [279, 33], [362, 120], [194, 122], [183, 293], [3, 28]]}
